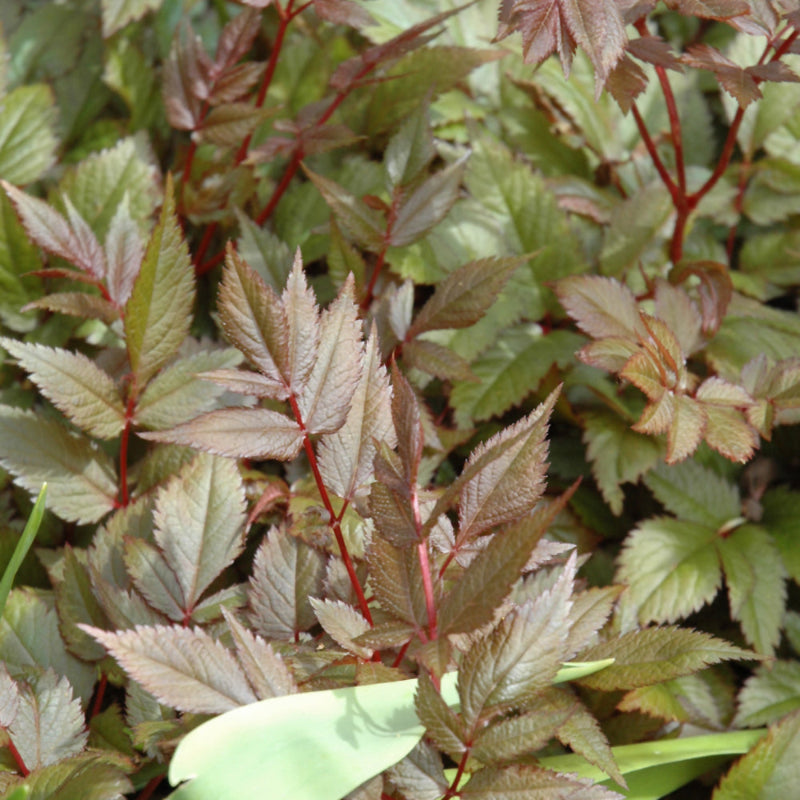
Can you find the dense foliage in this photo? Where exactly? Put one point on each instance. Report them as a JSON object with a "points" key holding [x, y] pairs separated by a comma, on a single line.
{"points": [[362, 340]]}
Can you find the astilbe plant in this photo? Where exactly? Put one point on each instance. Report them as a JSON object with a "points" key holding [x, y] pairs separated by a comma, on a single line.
{"points": [[337, 479]]}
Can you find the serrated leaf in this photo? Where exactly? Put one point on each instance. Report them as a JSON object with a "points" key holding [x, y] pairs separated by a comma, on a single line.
{"points": [[270, 257], [695, 493], [410, 149], [228, 124], [325, 399], [87, 776], [29, 637], [153, 579], [117, 14], [199, 523], [782, 519], [238, 433], [602, 307], [463, 297], [427, 205], [184, 668], [531, 783], [520, 657], [589, 613], [617, 453], [396, 579], [267, 673], [54, 234], [512, 737], [49, 725], [654, 655], [28, 141], [179, 393], [124, 253], [510, 370], [343, 624], [98, 185], [507, 487], [363, 223], [770, 769], [756, 585], [158, 312], [346, 456], [78, 304], [81, 478], [420, 774], [302, 315], [286, 573], [771, 693], [253, 319], [443, 726], [487, 581], [74, 384], [671, 568]]}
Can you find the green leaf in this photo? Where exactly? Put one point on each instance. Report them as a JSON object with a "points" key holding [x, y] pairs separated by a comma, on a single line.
{"points": [[29, 637], [98, 185], [510, 370], [782, 519], [81, 478], [363, 223], [286, 573], [22, 547], [199, 523], [343, 623], [254, 320], [184, 668], [464, 296], [771, 693], [427, 205], [179, 393], [18, 256], [346, 456], [270, 257], [695, 493], [602, 307], [48, 725], [74, 384], [671, 568], [238, 433], [520, 657], [118, 13], [618, 454], [158, 312], [509, 486], [410, 149], [657, 654], [28, 140], [770, 770], [756, 585]]}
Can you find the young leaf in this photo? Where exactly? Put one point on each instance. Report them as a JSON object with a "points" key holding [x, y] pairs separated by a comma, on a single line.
{"points": [[602, 307], [158, 312], [396, 579], [346, 456], [654, 655], [325, 399], [463, 297], [507, 487], [520, 657], [81, 478], [267, 673], [74, 384], [286, 573], [253, 319], [184, 668], [48, 725], [427, 205], [199, 521], [238, 433], [671, 568], [756, 585]]}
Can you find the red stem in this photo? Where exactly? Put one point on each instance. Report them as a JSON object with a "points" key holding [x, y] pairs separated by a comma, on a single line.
{"points": [[17, 758], [282, 186], [97, 705], [124, 499], [738, 204], [370, 291], [334, 522], [208, 235], [655, 157], [151, 786], [462, 765], [187, 167]]}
